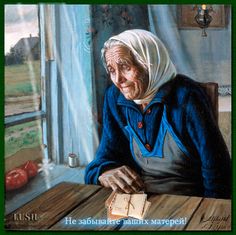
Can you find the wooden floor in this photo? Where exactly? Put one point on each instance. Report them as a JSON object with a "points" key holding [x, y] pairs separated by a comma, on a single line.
{"points": [[40, 184]]}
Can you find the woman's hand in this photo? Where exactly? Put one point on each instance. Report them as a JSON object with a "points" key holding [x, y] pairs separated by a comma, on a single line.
{"points": [[122, 179]]}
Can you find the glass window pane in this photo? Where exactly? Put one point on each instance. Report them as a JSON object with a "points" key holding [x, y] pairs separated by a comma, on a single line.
{"points": [[23, 142], [22, 59]]}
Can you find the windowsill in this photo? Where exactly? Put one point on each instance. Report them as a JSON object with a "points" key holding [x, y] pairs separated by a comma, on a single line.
{"points": [[40, 184]]}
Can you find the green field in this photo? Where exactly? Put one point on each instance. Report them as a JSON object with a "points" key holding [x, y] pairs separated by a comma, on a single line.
{"points": [[27, 135], [22, 80]]}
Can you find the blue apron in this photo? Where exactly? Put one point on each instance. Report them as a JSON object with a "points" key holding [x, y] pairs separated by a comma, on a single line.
{"points": [[168, 167]]}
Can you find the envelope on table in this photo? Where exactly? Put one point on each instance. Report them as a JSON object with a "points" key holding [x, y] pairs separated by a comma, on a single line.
{"points": [[124, 205]]}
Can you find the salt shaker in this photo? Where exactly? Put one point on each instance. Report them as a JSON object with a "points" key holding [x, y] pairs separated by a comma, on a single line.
{"points": [[72, 160]]}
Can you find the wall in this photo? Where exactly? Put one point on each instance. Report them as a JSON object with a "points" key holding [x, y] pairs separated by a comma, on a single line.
{"points": [[225, 119]]}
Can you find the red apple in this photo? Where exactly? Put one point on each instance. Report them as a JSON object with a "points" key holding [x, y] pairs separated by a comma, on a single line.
{"points": [[15, 179], [31, 168]]}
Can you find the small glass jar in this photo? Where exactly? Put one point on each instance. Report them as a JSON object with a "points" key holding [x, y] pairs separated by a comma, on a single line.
{"points": [[72, 160]]}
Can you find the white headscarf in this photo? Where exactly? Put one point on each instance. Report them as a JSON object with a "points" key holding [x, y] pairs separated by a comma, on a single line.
{"points": [[151, 52]]}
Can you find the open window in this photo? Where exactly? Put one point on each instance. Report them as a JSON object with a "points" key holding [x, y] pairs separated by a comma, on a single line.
{"points": [[25, 112]]}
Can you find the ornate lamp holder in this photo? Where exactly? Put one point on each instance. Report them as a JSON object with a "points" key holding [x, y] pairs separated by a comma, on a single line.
{"points": [[203, 18]]}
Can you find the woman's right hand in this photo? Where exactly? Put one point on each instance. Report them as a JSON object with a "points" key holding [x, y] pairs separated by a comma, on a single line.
{"points": [[122, 179]]}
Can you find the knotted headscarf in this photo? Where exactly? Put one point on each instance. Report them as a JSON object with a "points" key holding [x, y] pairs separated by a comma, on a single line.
{"points": [[151, 52]]}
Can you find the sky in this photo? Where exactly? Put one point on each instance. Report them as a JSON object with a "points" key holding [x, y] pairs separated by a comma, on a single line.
{"points": [[20, 21]]}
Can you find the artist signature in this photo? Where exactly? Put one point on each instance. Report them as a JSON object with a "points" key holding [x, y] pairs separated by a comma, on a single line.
{"points": [[216, 222]]}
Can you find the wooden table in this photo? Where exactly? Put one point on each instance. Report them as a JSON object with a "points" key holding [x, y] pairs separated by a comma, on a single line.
{"points": [[69, 206]]}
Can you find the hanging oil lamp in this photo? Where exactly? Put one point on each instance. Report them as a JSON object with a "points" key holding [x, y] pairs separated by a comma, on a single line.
{"points": [[203, 18]]}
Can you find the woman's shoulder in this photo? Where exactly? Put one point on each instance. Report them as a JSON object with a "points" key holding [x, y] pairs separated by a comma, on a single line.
{"points": [[184, 83], [181, 88]]}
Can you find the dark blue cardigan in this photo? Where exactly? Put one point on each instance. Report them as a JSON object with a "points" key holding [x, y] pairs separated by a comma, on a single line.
{"points": [[190, 115]]}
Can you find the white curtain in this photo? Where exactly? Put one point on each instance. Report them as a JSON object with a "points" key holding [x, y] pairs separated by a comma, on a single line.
{"points": [[72, 103]]}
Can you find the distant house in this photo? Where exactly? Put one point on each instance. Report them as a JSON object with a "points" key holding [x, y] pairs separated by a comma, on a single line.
{"points": [[28, 47]]}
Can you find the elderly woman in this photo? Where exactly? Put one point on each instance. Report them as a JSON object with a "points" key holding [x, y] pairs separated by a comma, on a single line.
{"points": [[159, 132]]}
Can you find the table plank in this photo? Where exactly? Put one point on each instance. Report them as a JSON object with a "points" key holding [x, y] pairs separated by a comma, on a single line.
{"points": [[48, 208], [164, 211], [87, 214], [213, 214]]}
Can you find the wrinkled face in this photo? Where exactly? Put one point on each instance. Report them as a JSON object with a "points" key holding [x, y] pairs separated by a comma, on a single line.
{"points": [[129, 78]]}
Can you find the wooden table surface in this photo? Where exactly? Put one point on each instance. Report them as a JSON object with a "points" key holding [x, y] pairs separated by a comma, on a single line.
{"points": [[70, 206]]}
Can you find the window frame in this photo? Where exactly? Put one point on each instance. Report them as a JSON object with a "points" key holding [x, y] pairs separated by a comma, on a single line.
{"points": [[41, 114]]}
